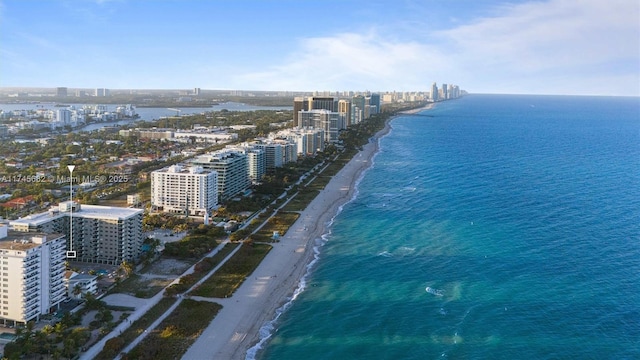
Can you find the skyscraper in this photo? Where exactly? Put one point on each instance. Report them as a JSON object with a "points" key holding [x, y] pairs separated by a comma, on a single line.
{"points": [[323, 102], [190, 190], [101, 234], [344, 108], [434, 92], [232, 168], [329, 121], [299, 104], [32, 278]]}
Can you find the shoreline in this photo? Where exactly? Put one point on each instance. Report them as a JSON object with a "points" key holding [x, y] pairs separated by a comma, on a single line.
{"points": [[428, 106], [280, 276]]}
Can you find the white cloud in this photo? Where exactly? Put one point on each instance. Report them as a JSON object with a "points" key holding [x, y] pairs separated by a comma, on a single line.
{"points": [[566, 43], [538, 36], [351, 61], [556, 46]]}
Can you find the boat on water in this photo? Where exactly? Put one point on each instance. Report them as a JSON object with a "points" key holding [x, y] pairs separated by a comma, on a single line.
{"points": [[433, 291]]}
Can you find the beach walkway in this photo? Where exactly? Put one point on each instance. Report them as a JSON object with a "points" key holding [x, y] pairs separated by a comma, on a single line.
{"points": [[237, 326]]}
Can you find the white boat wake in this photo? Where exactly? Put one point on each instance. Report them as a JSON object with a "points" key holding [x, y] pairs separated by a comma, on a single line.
{"points": [[433, 291]]}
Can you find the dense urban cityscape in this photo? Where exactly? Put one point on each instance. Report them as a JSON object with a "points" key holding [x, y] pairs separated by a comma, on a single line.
{"points": [[86, 212]]}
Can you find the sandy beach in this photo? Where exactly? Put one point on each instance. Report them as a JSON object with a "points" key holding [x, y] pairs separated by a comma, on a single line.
{"points": [[417, 110], [236, 327]]}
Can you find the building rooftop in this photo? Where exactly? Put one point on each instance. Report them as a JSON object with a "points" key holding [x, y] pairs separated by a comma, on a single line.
{"points": [[180, 169], [17, 240], [85, 211], [217, 156]]}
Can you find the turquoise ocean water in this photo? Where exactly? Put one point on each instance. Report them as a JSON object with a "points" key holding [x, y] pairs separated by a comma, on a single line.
{"points": [[490, 227]]}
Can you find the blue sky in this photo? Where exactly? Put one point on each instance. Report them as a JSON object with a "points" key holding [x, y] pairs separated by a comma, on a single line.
{"points": [[583, 47]]}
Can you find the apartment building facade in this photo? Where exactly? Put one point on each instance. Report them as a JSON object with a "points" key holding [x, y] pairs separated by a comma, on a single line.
{"points": [[184, 190], [98, 234], [32, 276], [231, 166]]}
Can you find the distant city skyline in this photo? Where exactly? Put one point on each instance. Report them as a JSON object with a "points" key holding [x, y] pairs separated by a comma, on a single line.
{"points": [[579, 47]]}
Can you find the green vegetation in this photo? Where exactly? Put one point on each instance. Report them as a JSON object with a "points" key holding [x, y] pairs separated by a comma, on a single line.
{"points": [[200, 270], [114, 345], [194, 246], [63, 340], [140, 287], [280, 222], [231, 275], [177, 332]]}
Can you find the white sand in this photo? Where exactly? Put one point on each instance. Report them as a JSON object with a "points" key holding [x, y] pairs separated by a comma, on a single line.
{"points": [[235, 329]]}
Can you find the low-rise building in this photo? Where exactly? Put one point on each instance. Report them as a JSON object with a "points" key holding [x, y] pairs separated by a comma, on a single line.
{"points": [[78, 285]]}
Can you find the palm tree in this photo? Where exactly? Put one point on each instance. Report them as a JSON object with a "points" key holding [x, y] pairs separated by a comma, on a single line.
{"points": [[77, 290], [127, 268], [27, 338]]}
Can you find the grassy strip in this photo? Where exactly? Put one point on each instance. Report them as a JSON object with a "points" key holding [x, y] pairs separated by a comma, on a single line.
{"points": [[200, 270], [136, 286], [279, 222], [173, 337], [300, 202], [231, 275], [307, 193], [116, 344]]}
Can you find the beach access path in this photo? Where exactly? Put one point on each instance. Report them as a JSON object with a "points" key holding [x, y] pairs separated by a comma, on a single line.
{"points": [[236, 327], [141, 307]]}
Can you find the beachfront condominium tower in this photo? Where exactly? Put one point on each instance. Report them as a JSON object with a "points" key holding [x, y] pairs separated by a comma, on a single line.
{"points": [[32, 277], [299, 104], [256, 160], [434, 92], [231, 166], [323, 102], [374, 103], [357, 108], [330, 122], [344, 108], [307, 141], [184, 190], [312, 103], [101, 234]]}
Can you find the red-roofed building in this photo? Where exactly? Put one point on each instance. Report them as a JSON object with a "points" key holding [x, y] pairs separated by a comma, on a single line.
{"points": [[18, 203]]}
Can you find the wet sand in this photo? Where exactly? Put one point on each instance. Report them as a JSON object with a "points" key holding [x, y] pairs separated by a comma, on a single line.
{"points": [[236, 327]]}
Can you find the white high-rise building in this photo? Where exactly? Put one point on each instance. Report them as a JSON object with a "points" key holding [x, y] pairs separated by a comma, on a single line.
{"points": [[307, 141], [101, 234], [329, 121], [273, 154], [231, 165], [32, 277], [185, 190], [434, 92], [256, 160], [63, 117]]}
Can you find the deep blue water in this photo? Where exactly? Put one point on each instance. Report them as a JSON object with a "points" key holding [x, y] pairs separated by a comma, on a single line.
{"points": [[491, 227]]}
